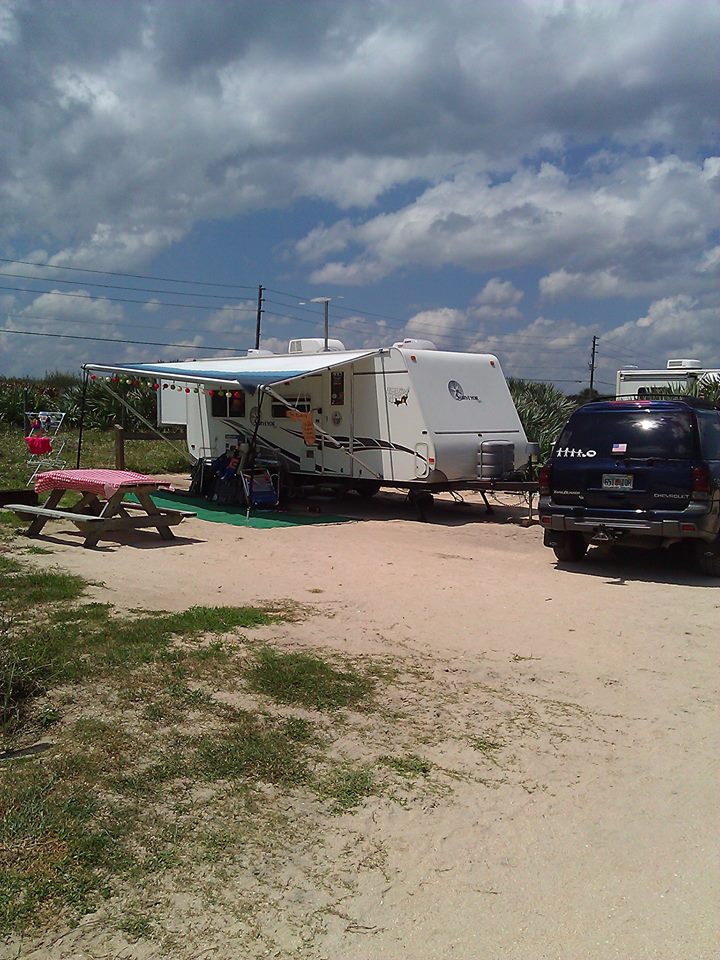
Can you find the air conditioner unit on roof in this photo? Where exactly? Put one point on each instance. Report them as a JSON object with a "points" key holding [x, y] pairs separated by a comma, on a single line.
{"points": [[315, 345], [684, 365]]}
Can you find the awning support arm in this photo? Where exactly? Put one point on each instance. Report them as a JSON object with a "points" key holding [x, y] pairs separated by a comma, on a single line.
{"points": [[82, 418], [253, 451], [327, 435], [141, 418]]}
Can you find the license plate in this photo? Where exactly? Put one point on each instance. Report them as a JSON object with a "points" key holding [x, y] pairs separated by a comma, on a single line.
{"points": [[617, 481]]}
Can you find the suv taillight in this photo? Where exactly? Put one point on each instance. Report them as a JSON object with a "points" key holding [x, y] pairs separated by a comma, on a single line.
{"points": [[544, 480], [701, 480]]}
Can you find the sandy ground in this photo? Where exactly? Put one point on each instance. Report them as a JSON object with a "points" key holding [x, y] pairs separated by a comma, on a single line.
{"points": [[596, 837]]}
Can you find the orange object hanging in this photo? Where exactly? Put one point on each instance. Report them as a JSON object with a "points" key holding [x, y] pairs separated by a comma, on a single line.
{"points": [[308, 425]]}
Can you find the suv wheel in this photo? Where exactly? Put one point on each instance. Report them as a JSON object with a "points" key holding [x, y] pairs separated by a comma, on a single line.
{"points": [[569, 547], [708, 555]]}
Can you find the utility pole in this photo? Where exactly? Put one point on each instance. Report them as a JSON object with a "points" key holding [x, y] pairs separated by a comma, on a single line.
{"points": [[258, 316], [327, 323], [592, 364]]}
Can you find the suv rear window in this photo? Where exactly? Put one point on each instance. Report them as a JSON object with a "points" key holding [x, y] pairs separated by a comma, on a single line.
{"points": [[638, 434]]}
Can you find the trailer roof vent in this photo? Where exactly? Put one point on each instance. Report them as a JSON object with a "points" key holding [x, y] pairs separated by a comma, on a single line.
{"points": [[315, 345], [409, 343], [255, 352], [684, 365]]}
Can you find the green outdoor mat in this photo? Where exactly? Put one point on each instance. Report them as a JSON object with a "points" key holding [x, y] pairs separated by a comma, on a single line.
{"points": [[235, 515]]}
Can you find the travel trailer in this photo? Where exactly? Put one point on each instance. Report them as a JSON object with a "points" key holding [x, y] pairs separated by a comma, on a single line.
{"points": [[632, 382], [407, 416]]}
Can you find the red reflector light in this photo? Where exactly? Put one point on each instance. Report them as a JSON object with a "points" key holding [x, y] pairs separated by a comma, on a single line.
{"points": [[701, 479], [688, 527], [546, 521], [544, 479]]}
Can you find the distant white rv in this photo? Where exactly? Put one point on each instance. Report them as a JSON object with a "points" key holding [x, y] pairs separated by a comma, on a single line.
{"points": [[633, 382], [407, 415]]}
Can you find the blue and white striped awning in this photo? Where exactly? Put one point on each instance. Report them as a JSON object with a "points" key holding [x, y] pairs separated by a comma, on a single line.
{"points": [[247, 373]]}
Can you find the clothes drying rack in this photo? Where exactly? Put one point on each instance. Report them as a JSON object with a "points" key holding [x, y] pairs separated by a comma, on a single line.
{"points": [[44, 441]]}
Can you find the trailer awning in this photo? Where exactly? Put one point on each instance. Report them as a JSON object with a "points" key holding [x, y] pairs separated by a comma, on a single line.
{"points": [[248, 373]]}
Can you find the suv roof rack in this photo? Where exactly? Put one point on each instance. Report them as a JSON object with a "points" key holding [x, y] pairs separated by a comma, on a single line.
{"points": [[662, 398]]}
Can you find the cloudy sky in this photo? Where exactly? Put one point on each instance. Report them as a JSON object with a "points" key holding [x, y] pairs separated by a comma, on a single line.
{"points": [[513, 176]]}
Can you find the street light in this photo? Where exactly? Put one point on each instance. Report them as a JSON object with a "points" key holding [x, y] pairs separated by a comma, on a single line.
{"points": [[326, 301]]}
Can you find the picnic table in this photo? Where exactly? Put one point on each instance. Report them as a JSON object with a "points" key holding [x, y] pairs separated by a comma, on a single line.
{"points": [[103, 506]]}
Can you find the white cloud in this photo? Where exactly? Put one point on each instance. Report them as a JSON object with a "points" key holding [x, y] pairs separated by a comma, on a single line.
{"points": [[123, 129], [499, 293], [440, 323], [638, 228]]}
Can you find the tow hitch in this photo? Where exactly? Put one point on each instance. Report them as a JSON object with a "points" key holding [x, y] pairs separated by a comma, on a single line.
{"points": [[603, 535]]}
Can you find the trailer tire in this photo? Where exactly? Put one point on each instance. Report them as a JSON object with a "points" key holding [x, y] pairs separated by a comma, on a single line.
{"points": [[569, 547], [367, 489]]}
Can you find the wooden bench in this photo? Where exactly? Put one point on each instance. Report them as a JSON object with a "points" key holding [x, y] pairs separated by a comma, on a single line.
{"points": [[94, 526]]}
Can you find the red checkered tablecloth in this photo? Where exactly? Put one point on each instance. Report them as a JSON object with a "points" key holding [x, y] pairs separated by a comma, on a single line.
{"points": [[102, 482]]}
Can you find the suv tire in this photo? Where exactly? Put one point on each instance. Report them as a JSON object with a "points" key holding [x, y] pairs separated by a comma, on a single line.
{"points": [[708, 555], [569, 547]]}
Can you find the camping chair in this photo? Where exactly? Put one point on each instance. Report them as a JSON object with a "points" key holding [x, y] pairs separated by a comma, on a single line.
{"points": [[44, 445], [259, 489]]}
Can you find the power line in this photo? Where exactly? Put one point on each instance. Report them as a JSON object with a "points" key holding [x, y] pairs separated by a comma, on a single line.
{"points": [[101, 323], [109, 286], [131, 276], [164, 303], [143, 343]]}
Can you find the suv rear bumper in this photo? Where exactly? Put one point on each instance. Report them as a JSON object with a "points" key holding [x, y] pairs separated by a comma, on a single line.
{"points": [[695, 523]]}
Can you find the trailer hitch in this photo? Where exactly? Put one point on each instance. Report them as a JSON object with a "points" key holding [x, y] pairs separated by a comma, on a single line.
{"points": [[603, 535]]}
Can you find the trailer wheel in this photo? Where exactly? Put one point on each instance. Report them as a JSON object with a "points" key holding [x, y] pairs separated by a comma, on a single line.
{"points": [[569, 547], [368, 488]]}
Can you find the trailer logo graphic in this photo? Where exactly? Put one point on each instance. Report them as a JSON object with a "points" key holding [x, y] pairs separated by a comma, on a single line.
{"points": [[398, 395], [457, 392]]}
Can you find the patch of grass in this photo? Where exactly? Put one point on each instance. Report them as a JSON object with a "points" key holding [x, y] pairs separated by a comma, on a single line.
{"points": [[346, 785], [411, 766], [37, 551], [11, 521], [58, 842], [252, 748], [25, 589], [48, 716], [486, 744], [8, 565], [116, 796], [88, 613], [23, 676], [306, 680], [136, 925]]}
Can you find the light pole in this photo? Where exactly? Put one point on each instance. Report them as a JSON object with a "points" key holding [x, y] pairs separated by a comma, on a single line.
{"points": [[326, 302]]}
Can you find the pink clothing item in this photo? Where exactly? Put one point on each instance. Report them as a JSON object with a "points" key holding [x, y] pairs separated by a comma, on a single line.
{"points": [[102, 482], [39, 445]]}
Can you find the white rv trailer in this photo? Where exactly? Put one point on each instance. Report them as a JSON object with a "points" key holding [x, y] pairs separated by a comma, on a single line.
{"points": [[632, 382], [406, 416]]}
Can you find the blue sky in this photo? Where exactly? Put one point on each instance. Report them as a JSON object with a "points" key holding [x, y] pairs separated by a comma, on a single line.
{"points": [[513, 176]]}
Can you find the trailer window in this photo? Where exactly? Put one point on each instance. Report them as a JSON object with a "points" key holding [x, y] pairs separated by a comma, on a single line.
{"points": [[237, 404], [279, 409], [219, 405]]}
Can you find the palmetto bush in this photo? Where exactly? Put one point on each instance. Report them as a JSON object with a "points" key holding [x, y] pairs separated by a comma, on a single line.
{"points": [[16, 396], [101, 409], [543, 411]]}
